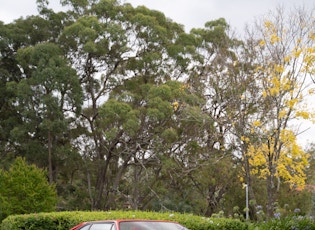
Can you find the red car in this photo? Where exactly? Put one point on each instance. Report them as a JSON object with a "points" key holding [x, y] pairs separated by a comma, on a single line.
{"points": [[129, 225]]}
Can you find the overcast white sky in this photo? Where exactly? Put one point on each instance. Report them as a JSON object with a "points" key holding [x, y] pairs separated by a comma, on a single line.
{"points": [[194, 13], [190, 13]]}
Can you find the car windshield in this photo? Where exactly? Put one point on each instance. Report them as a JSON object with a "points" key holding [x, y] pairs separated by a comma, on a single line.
{"points": [[150, 225]]}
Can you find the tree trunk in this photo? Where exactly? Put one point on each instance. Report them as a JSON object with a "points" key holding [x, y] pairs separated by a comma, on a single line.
{"points": [[100, 184], [215, 194], [105, 157], [251, 194], [248, 182], [270, 193], [50, 168]]}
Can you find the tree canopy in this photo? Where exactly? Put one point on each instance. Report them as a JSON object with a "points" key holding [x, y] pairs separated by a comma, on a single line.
{"points": [[126, 110]]}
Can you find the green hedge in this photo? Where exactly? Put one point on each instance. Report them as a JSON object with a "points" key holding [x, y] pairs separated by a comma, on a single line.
{"points": [[66, 220], [287, 223]]}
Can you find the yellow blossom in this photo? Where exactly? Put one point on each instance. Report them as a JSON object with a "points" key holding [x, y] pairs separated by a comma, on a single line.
{"points": [[303, 114], [269, 25], [175, 105], [184, 86], [279, 68], [282, 114], [257, 123], [311, 91], [297, 53], [274, 91], [264, 93], [274, 39], [291, 103], [287, 59], [262, 43]]}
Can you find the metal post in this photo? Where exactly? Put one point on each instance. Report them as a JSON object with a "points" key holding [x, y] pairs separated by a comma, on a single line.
{"points": [[247, 210]]}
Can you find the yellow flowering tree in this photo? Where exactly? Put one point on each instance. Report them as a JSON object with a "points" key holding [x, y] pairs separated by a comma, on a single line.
{"points": [[283, 57], [289, 165]]}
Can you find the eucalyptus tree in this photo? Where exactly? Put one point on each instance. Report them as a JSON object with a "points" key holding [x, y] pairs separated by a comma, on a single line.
{"points": [[8, 68], [213, 77], [48, 98], [20, 62], [151, 138], [120, 54], [10, 41], [232, 93]]}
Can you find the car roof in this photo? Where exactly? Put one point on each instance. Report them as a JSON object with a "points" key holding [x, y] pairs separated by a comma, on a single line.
{"points": [[117, 221], [128, 220]]}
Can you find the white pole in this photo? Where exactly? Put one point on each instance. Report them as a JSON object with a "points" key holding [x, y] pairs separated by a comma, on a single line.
{"points": [[247, 216]]}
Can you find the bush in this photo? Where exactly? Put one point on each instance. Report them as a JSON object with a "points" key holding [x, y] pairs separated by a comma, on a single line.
{"points": [[24, 189], [287, 223], [66, 220]]}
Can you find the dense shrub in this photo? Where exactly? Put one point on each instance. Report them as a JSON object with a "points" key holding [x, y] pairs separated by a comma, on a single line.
{"points": [[24, 189], [66, 220], [287, 223]]}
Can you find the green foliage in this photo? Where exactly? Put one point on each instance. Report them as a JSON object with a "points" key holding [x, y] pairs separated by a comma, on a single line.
{"points": [[169, 135], [66, 220], [24, 189], [288, 223], [167, 116]]}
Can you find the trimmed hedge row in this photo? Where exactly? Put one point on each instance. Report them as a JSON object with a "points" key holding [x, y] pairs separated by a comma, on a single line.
{"points": [[66, 220], [287, 223]]}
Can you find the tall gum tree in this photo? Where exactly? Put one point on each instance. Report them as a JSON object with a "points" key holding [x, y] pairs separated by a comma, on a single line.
{"points": [[150, 136], [213, 76], [18, 34], [49, 97], [28, 71], [118, 48]]}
